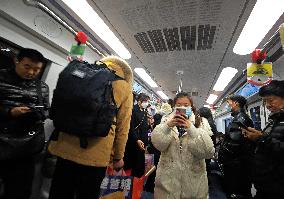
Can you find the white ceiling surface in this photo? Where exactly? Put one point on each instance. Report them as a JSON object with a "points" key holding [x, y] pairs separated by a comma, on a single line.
{"points": [[201, 68]]}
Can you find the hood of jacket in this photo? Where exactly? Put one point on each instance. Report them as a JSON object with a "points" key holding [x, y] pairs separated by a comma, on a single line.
{"points": [[120, 66]]}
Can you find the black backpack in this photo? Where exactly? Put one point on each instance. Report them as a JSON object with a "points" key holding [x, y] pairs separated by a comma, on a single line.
{"points": [[83, 104]]}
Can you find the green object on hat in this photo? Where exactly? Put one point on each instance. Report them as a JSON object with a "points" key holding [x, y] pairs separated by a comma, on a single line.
{"points": [[77, 49]]}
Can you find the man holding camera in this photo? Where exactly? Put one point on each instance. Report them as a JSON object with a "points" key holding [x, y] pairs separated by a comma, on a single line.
{"points": [[24, 102], [269, 154], [236, 151]]}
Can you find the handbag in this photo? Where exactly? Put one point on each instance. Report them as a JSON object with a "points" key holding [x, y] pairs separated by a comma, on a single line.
{"points": [[121, 185], [27, 143]]}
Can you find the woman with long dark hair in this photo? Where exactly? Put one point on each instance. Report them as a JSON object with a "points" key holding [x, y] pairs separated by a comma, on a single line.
{"points": [[206, 113]]}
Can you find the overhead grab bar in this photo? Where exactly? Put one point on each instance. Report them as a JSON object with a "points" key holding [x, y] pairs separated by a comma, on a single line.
{"points": [[44, 8], [272, 41]]}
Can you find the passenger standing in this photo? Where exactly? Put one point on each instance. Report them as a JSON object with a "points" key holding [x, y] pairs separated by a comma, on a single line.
{"points": [[165, 110], [20, 96], [184, 143], [80, 171], [236, 151], [269, 155], [206, 113], [138, 137]]}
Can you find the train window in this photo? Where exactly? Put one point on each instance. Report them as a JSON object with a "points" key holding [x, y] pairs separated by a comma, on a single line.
{"points": [[227, 122], [8, 51], [255, 116]]}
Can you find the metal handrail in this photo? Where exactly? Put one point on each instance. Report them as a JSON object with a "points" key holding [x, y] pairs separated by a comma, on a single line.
{"points": [[44, 8]]}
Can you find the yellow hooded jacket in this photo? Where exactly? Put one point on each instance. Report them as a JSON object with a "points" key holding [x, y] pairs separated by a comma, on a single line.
{"points": [[100, 149]]}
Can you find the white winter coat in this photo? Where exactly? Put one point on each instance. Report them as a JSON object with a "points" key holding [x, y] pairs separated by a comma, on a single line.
{"points": [[181, 172]]}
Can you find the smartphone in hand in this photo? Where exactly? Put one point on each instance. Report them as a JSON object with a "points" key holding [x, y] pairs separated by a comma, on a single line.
{"points": [[242, 125], [180, 111]]}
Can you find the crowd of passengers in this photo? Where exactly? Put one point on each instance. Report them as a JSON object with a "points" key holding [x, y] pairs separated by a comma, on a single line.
{"points": [[183, 142]]}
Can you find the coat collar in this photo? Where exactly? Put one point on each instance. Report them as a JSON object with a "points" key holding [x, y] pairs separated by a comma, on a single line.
{"points": [[120, 66]]}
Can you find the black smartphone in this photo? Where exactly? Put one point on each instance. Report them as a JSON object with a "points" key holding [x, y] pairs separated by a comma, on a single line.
{"points": [[36, 108], [242, 125]]}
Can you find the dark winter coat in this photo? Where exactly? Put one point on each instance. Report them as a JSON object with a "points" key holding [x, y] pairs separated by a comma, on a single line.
{"points": [[235, 143], [269, 158], [134, 157], [139, 126], [15, 92]]}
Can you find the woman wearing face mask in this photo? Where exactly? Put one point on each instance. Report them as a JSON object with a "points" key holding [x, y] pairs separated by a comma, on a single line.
{"points": [[184, 142], [134, 157]]}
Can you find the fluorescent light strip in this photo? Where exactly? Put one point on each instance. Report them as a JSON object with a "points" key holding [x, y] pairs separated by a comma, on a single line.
{"points": [[207, 106], [146, 78], [211, 99], [225, 77], [162, 95], [92, 19], [263, 16]]}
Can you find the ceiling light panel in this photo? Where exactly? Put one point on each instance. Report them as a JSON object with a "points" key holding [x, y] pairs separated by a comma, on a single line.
{"points": [[92, 19]]}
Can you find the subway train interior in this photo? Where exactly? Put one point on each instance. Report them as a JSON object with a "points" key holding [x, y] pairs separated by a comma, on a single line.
{"points": [[201, 47]]}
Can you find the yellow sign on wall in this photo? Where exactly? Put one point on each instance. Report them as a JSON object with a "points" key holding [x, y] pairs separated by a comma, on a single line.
{"points": [[259, 74], [264, 69]]}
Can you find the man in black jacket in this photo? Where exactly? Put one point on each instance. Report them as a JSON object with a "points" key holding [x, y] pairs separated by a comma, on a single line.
{"points": [[237, 163], [20, 110], [134, 157], [269, 154]]}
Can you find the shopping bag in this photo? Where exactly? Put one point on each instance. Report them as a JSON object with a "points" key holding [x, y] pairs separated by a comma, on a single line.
{"points": [[115, 183], [114, 195], [149, 162]]}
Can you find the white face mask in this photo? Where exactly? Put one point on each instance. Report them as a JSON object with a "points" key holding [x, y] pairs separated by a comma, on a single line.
{"points": [[188, 109], [145, 105]]}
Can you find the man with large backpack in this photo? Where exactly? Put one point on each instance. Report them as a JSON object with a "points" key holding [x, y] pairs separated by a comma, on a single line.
{"points": [[91, 111]]}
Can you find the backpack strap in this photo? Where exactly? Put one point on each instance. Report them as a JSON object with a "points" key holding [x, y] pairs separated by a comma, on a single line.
{"points": [[83, 142], [54, 135]]}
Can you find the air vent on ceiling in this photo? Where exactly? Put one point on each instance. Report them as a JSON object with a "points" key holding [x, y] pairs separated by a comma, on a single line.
{"points": [[195, 93]]}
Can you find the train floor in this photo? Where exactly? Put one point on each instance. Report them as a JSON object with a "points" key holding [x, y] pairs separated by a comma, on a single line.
{"points": [[214, 178], [215, 189], [42, 185]]}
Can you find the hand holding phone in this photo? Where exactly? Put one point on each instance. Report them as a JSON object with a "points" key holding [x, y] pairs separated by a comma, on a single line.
{"points": [[38, 106], [242, 125], [181, 111]]}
